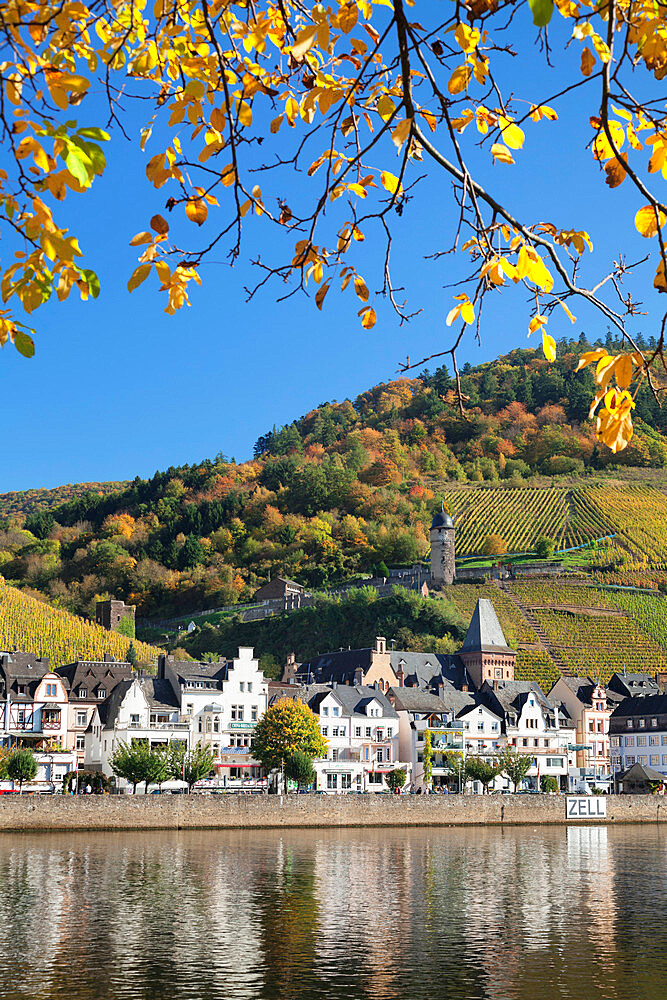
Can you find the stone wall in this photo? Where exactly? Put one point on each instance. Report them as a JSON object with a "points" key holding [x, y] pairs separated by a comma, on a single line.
{"points": [[171, 812]]}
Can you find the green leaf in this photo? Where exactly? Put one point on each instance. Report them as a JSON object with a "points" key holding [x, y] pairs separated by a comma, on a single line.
{"points": [[74, 162], [542, 11], [92, 281], [94, 133], [24, 344]]}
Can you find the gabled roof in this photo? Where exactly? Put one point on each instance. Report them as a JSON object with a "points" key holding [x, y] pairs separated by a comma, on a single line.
{"points": [[159, 694], [109, 708], [354, 699], [511, 696], [104, 672], [632, 685], [582, 687], [640, 772], [484, 632], [339, 666], [428, 670]]}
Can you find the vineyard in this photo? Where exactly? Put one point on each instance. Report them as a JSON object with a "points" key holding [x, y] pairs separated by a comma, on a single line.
{"points": [[30, 625], [575, 516], [33, 501]]}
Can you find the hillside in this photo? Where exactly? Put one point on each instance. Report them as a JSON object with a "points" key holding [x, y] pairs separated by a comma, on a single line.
{"points": [[555, 627], [29, 624], [353, 485], [27, 502]]}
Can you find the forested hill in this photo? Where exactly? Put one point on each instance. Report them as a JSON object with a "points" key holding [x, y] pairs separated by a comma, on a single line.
{"points": [[349, 486]]}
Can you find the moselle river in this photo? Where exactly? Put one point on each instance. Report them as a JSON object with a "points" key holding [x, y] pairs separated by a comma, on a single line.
{"points": [[438, 914]]}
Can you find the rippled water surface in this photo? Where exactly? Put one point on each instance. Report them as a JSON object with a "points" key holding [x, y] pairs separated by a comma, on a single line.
{"points": [[411, 914]]}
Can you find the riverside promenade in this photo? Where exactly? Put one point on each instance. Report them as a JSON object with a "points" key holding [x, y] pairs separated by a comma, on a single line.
{"points": [[232, 812]]}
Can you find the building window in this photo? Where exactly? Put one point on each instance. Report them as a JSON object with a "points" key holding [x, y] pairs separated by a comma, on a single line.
{"points": [[346, 782], [655, 760], [654, 722], [380, 756], [325, 730], [216, 724], [480, 727], [81, 718], [614, 741], [134, 719], [325, 710], [368, 731], [379, 734], [375, 778], [102, 693], [334, 731], [629, 723], [654, 740], [332, 781], [390, 732], [630, 741], [335, 710], [83, 692], [334, 753], [253, 713], [80, 741], [343, 730], [641, 741], [357, 730], [249, 687], [242, 686], [642, 723]]}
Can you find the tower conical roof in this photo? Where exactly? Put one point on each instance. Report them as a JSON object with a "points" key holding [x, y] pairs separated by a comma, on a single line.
{"points": [[442, 519], [484, 632]]}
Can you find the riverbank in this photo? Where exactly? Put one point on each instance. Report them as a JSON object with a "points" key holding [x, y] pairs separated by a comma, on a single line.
{"points": [[229, 812]]}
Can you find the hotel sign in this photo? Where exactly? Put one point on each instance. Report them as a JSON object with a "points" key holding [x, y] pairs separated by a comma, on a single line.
{"points": [[586, 807], [241, 725]]}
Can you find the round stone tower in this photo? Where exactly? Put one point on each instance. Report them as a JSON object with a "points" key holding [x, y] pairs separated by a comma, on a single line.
{"points": [[443, 549]]}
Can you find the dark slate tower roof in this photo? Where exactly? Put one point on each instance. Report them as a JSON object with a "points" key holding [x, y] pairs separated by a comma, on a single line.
{"points": [[442, 520], [484, 632]]}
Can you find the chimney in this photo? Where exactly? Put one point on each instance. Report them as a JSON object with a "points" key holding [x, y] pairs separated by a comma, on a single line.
{"points": [[380, 644], [556, 718], [400, 673]]}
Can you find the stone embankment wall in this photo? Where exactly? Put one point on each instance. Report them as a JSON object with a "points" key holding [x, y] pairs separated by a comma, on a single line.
{"points": [[180, 812]]}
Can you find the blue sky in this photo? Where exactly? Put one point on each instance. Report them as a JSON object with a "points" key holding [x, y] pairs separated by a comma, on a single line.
{"points": [[117, 388]]}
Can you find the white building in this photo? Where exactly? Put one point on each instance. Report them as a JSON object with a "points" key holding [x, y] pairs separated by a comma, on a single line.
{"points": [[141, 709], [535, 727], [361, 728], [419, 711], [222, 703]]}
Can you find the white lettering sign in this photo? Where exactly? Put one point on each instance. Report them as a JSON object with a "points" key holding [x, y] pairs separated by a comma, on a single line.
{"points": [[586, 807]]}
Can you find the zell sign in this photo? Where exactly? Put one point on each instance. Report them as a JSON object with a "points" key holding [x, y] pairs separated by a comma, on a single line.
{"points": [[586, 807]]}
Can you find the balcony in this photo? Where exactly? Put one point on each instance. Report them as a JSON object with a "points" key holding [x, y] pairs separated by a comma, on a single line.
{"points": [[157, 726]]}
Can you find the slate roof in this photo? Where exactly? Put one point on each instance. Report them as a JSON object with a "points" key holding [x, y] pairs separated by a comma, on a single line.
{"points": [[21, 669], [646, 705], [93, 673], [280, 689], [415, 700], [484, 632], [631, 685], [510, 696], [640, 772], [339, 666], [442, 520], [109, 708], [428, 670], [354, 699], [582, 687], [159, 694]]}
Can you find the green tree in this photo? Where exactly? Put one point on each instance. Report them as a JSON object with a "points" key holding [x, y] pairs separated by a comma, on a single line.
{"points": [[21, 766], [457, 763], [131, 655], [299, 768], [126, 627], [548, 783], [190, 765], [514, 765], [545, 547], [427, 758], [396, 778], [284, 728], [132, 762], [494, 545], [481, 770]]}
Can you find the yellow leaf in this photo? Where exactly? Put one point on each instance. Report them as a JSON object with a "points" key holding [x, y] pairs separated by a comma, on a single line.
{"points": [[623, 371], [245, 113], [467, 312], [646, 220], [197, 211], [501, 153], [468, 38], [321, 294], [401, 132], [304, 41], [368, 317], [141, 238], [459, 79], [615, 172], [360, 288], [536, 322], [548, 346], [390, 183], [660, 280], [513, 136], [138, 275]]}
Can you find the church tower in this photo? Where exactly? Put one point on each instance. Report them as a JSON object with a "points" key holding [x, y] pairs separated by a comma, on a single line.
{"points": [[443, 549]]}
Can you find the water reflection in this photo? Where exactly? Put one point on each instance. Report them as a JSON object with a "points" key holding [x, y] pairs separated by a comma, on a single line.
{"points": [[302, 915]]}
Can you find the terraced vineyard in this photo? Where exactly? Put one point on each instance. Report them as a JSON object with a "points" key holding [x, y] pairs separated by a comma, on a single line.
{"points": [[516, 628], [520, 515], [537, 665], [639, 517], [31, 625]]}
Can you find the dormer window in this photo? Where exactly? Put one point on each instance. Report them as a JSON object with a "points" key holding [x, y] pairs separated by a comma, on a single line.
{"points": [[642, 723], [654, 722], [101, 693], [83, 692], [630, 724]]}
